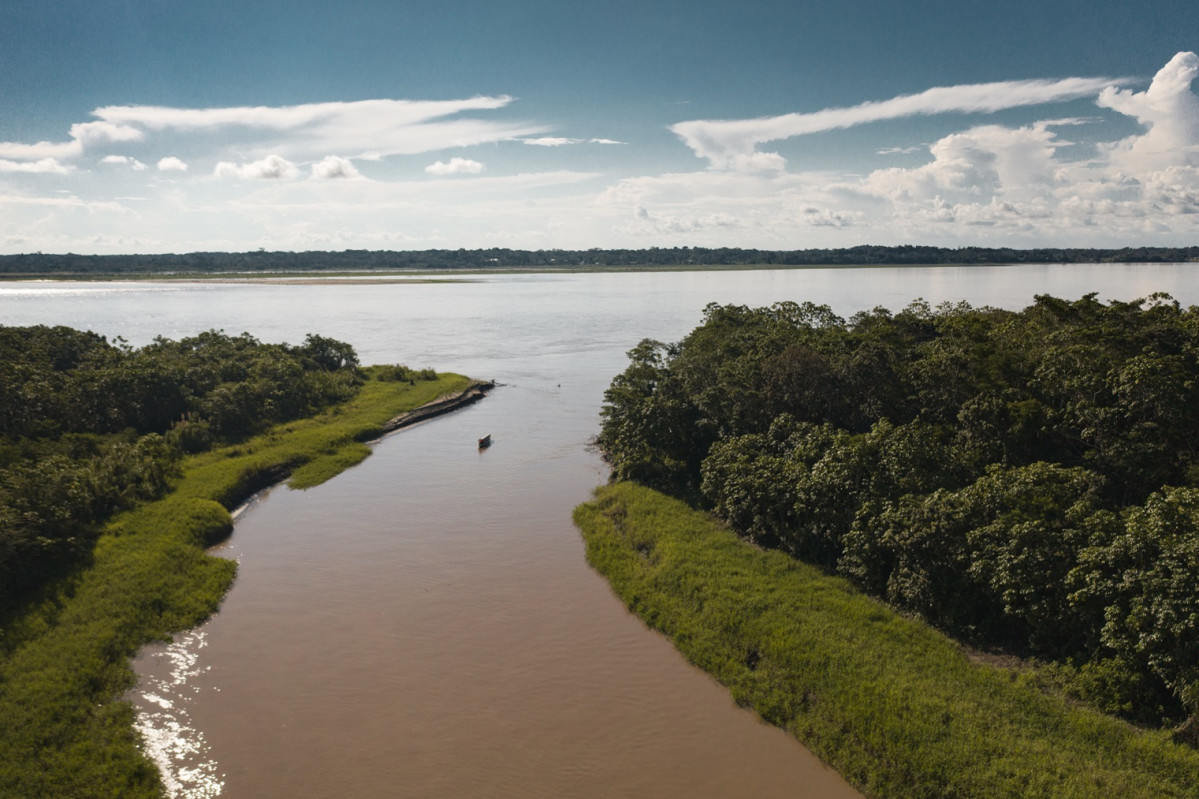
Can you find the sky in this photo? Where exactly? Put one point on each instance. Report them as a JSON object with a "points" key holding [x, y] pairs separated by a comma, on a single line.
{"points": [[147, 126]]}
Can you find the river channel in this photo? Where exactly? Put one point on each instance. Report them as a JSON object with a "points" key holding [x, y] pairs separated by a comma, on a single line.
{"points": [[425, 624]]}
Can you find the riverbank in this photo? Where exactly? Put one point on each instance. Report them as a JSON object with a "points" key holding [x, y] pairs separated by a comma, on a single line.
{"points": [[893, 705], [64, 662]]}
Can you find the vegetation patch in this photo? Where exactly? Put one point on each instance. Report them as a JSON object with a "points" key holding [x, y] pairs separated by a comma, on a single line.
{"points": [[1025, 481], [66, 642], [895, 706]]}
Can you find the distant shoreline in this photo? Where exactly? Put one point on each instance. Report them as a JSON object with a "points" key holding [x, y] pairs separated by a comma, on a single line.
{"points": [[449, 275], [443, 264]]}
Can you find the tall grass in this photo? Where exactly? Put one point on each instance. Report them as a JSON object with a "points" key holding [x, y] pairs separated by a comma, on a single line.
{"points": [[892, 704], [64, 660]]}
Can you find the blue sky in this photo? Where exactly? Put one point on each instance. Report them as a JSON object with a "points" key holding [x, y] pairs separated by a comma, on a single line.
{"points": [[143, 126]]}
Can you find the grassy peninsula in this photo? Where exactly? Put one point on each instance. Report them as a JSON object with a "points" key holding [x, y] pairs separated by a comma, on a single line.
{"points": [[1026, 482], [895, 706], [65, 645]]}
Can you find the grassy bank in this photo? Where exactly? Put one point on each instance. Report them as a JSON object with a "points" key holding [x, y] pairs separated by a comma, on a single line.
{"points": [[893, 705], [64, 662]]}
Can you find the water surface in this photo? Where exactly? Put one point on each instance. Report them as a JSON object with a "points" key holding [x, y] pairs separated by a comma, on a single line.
{"points": [[425, 623]]}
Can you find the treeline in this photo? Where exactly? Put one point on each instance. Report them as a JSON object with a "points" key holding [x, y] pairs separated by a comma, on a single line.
{"points": [[1028, 481], [500, 258], [88, 427]]}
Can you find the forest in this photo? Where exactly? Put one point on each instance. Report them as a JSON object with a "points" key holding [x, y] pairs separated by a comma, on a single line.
{"points": [[89, 427], [199, 263], [1026, 481]]}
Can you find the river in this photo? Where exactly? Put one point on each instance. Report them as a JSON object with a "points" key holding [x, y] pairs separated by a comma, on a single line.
{"points": [[425, 624]]}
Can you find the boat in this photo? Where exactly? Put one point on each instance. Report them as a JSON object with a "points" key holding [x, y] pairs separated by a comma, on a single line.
{"points": [[485, 441]]}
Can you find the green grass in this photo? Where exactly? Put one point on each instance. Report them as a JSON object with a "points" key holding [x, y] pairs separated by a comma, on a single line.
{"points": [[64, 661], [893, 705]]}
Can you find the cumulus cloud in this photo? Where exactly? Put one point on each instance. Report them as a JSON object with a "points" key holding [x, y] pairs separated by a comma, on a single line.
{"points": [[334, 167], [455, 166], [1168, 109], [44, 166], [171, 164], [978, 162], [728, 143], [124, 160], [88, 133], [273, 167]]}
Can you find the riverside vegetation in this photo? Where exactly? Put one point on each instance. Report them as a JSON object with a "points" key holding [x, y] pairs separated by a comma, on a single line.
{"points": [[1023, 481], [118, 467]]}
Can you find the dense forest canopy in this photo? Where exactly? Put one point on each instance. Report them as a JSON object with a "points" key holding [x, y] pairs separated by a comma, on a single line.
{"points": [[500, 258], [1024, 480], [88, 426]]}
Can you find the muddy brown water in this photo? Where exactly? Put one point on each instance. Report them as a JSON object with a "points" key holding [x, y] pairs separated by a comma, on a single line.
{"points": [[425, 624]]}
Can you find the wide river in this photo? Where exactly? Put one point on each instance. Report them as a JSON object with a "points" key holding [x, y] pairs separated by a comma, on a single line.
{"points": [[425, 625]]}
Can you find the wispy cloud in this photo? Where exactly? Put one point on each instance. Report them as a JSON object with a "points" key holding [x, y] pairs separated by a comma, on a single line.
{"points": [[455, 166], [367, 128], [44, 166], [731, 143], [371, 129], [559, 141]]}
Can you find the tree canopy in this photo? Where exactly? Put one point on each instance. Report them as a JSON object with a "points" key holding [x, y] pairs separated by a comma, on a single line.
{"points": [[88, 426], [1025, 480]]}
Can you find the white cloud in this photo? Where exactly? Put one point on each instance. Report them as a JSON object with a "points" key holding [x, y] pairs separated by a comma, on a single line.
{"points": [[403, 112], [758, 162], [989, 183], [559, 141], [368, 129], [334, 167], [171, 164], [1168, 110], [727, 143], [45, 166], [67, 201], [551, 141], [357, 129], [124, 160], [980, 162], [1019, 185], [455, 166], [87, 133], [82, 135], [273, 167]]}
